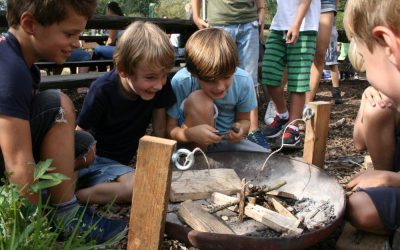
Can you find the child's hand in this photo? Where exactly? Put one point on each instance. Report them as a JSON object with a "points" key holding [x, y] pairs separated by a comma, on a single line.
{"points": [[292, 35], [236, 133], [374, 97], [370, 178], [203, 135]]}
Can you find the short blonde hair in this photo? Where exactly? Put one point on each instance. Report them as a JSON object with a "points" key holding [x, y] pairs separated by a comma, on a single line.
{"points": [[211, 54], [361, 16], [143, 42], [355, 57]]}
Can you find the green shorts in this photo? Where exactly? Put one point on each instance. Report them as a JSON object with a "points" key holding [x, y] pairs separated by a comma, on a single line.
{"points": [[297, 58]]}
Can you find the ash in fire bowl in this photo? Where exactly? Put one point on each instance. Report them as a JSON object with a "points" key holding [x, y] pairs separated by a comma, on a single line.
{"points": [[291, 205], [270, 214]]}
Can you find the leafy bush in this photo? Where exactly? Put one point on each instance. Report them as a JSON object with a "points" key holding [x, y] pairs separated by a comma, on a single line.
{"points": [[27, 226]]}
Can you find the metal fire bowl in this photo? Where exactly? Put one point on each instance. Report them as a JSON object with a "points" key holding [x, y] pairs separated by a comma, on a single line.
{"points": [[303, 180]]}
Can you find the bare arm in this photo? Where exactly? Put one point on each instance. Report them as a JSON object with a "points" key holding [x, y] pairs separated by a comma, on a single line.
{"points": [[243, 124], [261, 11], [16, 146], [112, 35], [293, 32], [200, 23], [202, 135], [159, 121]]}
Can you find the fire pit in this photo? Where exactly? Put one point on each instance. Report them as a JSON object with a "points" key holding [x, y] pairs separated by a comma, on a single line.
{"points": [[303, 180]]}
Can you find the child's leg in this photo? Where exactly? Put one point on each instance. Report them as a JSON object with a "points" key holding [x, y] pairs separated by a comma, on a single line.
{"points": [[335, 75], [299, 66], [103, 193], [199, 109], [374, 130], [273, 67], [297, 101], [58, 144], [277, 94], [324, 35], [362, 213], [104, 181]]}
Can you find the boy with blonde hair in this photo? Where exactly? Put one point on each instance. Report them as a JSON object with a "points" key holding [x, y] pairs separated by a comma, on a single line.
{"points": [[40, 125], [214, 97], [119, 107], [374, 27]]}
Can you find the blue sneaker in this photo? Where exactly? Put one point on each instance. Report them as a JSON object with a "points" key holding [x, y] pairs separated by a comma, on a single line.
{"points": [[91, 226], [257, 137], [275, 129]]}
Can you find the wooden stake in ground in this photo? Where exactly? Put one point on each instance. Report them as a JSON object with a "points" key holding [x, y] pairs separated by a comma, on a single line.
{"points": [[150, 193], [317, 134]]}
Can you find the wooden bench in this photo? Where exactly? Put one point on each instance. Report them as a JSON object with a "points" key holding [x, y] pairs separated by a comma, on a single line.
{"points": [[52, 65], [76, 80]]}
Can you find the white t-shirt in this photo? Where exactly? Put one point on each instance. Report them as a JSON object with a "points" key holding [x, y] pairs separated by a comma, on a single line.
{"points": [[286, 14]]}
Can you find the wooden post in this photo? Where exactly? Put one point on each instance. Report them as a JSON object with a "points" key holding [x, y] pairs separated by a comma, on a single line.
{"points": [[317, 134], [151, 188]]}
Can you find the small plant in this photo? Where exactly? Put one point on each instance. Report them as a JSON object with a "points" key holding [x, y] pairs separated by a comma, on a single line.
{"points": [[27, 226]]}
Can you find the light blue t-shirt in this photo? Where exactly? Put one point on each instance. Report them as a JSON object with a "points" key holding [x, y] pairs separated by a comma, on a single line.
{"points": [[240, 97]]}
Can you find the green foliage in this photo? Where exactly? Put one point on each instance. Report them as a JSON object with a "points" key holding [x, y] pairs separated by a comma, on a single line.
{"points": [[27, 226], [172, 9]]}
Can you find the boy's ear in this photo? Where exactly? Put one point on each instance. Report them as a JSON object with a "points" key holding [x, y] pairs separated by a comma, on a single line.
{"points": [[391, 43], [121, 72], [28, 22]]}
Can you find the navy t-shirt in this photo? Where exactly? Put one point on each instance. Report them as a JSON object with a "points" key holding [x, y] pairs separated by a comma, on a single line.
{"points": [[17, 81], [116, 121]]}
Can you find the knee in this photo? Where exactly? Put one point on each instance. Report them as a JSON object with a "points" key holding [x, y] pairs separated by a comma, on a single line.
{"points": [[67, 105], [126, 188], [319, 57], [199, 104], [377, 115], [361, 211]]}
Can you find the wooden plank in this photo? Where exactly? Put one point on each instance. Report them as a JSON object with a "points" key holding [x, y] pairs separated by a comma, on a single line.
{"points": [[200, 184], [317, 134], [273, 219], [282, 194], [222, 199], [353, 239], [150, 193], [200, 220], [76, 80], [282, 210]]}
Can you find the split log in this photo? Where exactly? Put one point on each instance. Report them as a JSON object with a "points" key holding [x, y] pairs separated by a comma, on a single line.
{"points": [[199, 219], [224, 201], [282, 210], [282, 194], [273, 220], [199, 184], [258, 213]]}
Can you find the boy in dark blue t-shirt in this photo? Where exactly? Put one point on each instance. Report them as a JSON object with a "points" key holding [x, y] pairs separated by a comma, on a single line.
{"points": [[37, 126], [119, 108]]}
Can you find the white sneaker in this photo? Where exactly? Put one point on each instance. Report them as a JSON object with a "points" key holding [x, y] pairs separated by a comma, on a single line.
{"points": [[270, 113]]}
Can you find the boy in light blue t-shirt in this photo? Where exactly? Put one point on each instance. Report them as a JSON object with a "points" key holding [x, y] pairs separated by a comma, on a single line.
{"points": [[214, 97]]}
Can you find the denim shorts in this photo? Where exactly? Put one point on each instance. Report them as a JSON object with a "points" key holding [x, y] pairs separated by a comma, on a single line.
{"points": [[247, 38], [331, 55], [328, 5], [102, 170]]}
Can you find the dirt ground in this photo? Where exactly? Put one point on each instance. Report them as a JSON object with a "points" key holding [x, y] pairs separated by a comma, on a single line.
{"points": [[341, 158]]}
